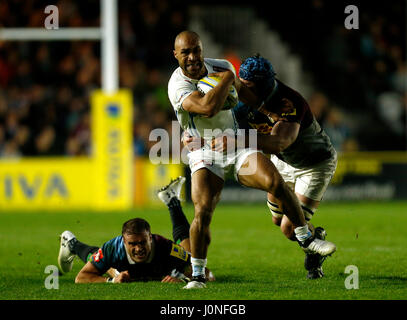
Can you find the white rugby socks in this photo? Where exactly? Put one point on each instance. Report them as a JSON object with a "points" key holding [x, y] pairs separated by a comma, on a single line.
{"points": [[302, 233], [198, 267]]}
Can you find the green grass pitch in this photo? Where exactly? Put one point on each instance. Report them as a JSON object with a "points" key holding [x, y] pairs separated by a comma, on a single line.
{"points": [[248, 254]]}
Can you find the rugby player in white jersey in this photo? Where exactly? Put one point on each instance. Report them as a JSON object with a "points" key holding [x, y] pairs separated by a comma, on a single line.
{"points": [[200, 114], [299, 147]]}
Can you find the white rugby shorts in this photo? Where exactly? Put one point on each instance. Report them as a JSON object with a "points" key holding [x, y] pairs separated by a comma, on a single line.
{"points": [[218, 163], [311, 182]]}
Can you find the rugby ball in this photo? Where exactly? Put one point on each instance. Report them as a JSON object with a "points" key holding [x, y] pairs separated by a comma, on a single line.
{"points": [[209, 82]]}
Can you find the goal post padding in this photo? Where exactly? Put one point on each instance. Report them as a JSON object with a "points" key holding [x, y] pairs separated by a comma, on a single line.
{"points": [[102, 181]]}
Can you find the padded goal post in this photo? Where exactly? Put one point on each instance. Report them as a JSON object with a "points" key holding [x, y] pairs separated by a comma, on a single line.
{"points": [[103, 180], [109, 178]]}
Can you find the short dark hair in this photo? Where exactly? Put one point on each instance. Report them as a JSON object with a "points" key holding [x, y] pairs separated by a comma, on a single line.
{"points": [[136, 225]]}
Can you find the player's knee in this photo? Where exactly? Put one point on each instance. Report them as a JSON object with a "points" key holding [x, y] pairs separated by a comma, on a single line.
{"points": [[269, 183], [275, 185]]}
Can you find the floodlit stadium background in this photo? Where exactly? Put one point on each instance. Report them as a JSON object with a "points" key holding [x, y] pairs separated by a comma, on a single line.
{"points": [[62, 146]]}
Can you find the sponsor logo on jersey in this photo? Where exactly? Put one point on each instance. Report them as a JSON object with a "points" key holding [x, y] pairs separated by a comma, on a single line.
{"points": [[179, 252], [288, 108], [98, 255], [262, 128]]}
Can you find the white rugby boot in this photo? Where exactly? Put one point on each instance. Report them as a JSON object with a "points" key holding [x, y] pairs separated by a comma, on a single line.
{"points": [[322, 247], [171, 190], [313, 262], [196, 283], [66, 256]]}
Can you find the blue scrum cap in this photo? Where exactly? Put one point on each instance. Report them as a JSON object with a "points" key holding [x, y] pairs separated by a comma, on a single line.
{"points": [[260, 71]]}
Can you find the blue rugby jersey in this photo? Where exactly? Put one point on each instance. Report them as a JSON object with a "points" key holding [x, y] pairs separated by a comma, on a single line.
{"points": [[167, 256]]}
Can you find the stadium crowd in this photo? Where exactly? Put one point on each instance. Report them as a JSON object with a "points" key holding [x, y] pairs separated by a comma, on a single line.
{"points": [[362, 72], [45, 86]]}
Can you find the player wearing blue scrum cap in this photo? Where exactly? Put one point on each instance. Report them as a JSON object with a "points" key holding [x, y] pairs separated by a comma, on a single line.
{"points": [[260, 71], [299, 147]]}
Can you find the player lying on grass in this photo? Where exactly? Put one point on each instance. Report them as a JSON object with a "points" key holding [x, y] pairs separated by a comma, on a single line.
{"points": [[299, 147], [136, 255]]}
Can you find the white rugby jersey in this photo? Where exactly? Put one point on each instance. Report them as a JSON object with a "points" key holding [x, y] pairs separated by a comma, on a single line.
{"points": [[180, 87]]}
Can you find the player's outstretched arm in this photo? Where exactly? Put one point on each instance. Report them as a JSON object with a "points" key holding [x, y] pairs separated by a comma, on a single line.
{"points": [[90, 274]]}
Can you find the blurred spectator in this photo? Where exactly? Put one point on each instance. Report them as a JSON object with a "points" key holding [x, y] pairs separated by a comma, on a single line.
{"points": [[363, 71], [392, 111], [318, 103], [339, 131], [45, 86], [141, 140], [45, 142], [334, 121], [2, 139], [10, 150]]}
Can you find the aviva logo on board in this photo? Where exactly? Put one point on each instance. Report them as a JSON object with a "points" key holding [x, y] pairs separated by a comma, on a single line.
{"points": [[39, 186], [101, 181], [55, 183]]}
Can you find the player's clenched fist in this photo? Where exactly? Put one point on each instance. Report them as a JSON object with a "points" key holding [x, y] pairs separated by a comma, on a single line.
{"points": [[192, 143], [122, 277]]}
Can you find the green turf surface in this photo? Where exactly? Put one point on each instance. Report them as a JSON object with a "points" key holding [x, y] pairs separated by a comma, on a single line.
{"points": [[248, 254]]}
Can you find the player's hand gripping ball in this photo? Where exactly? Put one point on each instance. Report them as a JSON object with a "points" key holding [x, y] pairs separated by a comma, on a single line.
{"points": [[209, 82]]}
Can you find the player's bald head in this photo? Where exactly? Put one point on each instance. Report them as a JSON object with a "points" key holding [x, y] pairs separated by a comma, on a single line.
{"points": [[186, 37], [188, 52]]}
